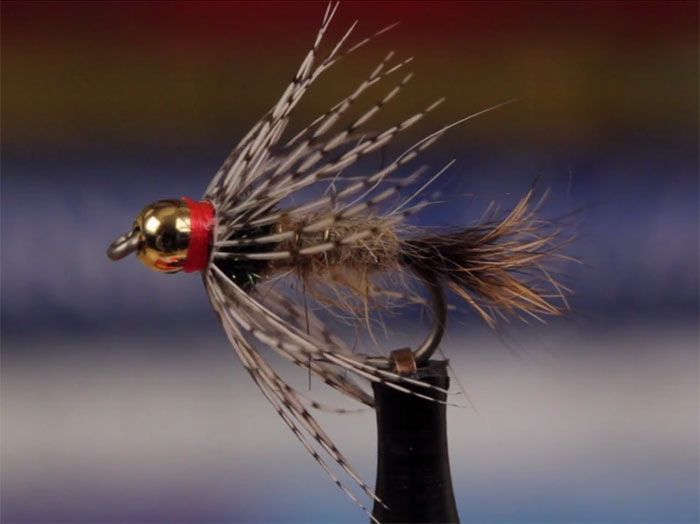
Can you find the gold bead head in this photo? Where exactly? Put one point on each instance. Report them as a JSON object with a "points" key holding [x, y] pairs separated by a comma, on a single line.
{"points": [[164, 233], [160, 237]]}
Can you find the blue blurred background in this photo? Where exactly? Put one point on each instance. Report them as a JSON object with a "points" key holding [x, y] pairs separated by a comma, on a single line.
{"points": [[121, 399]]}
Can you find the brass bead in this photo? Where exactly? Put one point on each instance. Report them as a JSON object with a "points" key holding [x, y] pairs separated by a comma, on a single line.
{"points": [[163, 229]]}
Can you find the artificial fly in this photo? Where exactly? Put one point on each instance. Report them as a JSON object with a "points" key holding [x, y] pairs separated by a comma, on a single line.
{"points": [[249, 232]]}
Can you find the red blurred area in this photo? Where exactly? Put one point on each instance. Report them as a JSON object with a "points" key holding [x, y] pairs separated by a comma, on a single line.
{"points": [[197, 24]]}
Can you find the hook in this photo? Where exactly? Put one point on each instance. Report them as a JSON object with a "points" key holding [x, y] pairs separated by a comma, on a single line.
{"points": [[405, 361], [124, 245]]}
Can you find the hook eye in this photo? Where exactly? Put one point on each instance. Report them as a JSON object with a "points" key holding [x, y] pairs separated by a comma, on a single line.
{"points": [[124, 245]]}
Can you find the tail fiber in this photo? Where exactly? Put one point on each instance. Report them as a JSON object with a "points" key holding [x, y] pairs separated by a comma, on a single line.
{"points": [[499, 265]]}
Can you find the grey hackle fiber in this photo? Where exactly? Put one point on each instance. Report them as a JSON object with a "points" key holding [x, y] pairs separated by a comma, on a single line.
{"points": [[339, 245]]}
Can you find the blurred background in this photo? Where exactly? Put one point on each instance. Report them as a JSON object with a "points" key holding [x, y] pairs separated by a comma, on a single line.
{"points": [[121, 399]]}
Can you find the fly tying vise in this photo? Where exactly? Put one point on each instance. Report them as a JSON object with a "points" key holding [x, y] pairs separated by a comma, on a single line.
{"points": [[257, 222]]}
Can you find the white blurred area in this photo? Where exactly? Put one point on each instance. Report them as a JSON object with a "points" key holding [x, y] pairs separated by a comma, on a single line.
{"points": [[565, 427]]}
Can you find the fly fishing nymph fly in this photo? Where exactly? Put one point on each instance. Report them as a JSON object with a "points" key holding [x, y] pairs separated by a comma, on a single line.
{"points": [[293, 208]]}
